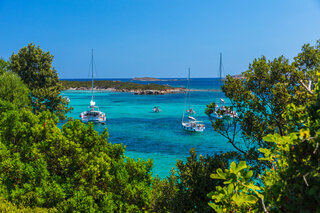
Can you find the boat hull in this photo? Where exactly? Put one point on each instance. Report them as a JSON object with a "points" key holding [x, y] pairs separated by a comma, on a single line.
{"points": [[193, 127], [96, 117], [96, 121]]}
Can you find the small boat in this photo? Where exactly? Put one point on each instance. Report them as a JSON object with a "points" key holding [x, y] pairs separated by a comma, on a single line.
{"points": [[94, 114], [192, 124], [221, 111], [156, 109]]}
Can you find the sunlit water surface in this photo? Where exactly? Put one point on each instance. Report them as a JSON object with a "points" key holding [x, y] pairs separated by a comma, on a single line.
{"points": [[131, 121]]}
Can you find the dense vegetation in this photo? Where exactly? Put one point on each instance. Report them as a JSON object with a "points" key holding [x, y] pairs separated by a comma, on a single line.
{"points": [[34, 66], [278, 108], [73, 169], [275, 168], [118, 85]]}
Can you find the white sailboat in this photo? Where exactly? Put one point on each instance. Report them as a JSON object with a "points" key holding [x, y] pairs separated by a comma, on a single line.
{"points": [[94, 114], [191, 125], [220, 110]]}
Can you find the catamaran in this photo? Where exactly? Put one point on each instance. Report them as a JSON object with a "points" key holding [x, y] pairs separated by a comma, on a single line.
{"points": [[220, 110], [191, 125], [93, 114]]}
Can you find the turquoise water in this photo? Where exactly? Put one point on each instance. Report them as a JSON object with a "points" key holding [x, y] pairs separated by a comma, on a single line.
{"points": [[131, 121]]}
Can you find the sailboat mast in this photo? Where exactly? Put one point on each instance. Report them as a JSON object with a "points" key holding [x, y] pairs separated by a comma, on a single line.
{"points": [[92, 77], [189, 90], [220, 67], [186, 96]]}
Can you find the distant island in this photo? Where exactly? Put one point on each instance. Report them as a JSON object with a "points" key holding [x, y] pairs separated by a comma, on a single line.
{"points": [[119, 86], [146, 79], [151, 79]]}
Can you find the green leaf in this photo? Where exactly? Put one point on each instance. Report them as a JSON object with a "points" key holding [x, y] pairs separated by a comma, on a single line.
{"points": [[242, 165], [215, 176], [221, 174], [233, 167], [249, 174], [210, 195], [265, 151], [230, 189], [251, 199]]}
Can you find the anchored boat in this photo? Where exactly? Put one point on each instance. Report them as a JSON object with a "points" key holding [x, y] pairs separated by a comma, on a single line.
{"points": [[156, 109], [221, 111], [93, 114], [191, 124]]}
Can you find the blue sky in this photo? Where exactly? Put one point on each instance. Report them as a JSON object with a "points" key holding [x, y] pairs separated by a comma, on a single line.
{"points": [[158, 38]]}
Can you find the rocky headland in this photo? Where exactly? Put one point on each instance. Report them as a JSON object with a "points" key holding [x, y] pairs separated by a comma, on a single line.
{"points": [[119, 86]]}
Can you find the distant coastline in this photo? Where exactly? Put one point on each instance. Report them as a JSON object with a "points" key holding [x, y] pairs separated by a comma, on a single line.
{"points": [[119, 86], [152, 79]]}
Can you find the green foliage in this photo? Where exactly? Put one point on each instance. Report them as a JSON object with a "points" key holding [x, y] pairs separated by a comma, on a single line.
{"points": [[308, 64], [292, 183], [164, 193], [119, 85], [34, 66], [73, 170], [186, 190], [239, 193], [4, 66], [8, 207], [261, 99], [195, 182], [13, 90]]}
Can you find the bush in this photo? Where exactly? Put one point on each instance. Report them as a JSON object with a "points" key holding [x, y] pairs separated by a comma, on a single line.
{"points": [[187, 189], [73, 169], [13, 90]]}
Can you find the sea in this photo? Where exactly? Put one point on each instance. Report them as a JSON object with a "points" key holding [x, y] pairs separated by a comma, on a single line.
{"points": [[158, 136]]}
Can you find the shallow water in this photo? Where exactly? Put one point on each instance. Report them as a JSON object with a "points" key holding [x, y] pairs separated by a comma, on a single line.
{"points": [[131, 121]]}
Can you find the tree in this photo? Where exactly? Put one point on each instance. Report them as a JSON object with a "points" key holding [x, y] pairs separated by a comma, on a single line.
{"points": [[288, 145], [14, 91], [34, 66], [73, 169], [292, 184], [4, 65], [261, 97], [186, 190], [308, 64], [7, 207]]}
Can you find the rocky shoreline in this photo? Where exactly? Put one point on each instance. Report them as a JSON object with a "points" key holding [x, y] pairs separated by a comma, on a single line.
{"points": [[145, 92], [135, 92]]}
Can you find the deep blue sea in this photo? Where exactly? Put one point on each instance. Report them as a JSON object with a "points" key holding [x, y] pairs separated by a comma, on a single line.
{"points": [[131, 121]]}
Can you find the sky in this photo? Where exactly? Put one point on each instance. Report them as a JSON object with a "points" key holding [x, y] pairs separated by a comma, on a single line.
{"points": [[158, 38]]}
